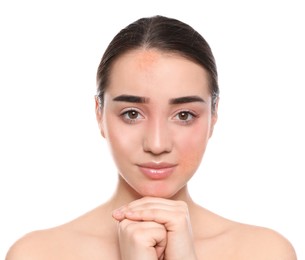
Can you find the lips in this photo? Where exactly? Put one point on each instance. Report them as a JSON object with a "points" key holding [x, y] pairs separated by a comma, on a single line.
{"points": [[157, 171]]}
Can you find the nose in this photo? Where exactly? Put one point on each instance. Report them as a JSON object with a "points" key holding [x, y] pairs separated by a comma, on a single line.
{"points": [[157, 137]]}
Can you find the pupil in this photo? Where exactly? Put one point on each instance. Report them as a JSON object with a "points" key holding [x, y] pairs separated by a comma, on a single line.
{"points": [[183, 116], [133, 114]]}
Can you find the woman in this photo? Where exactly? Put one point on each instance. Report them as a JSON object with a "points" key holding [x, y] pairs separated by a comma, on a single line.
{"points": [[156, 106]]}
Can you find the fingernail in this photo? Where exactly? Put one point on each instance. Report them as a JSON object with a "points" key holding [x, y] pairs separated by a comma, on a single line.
{"points": [[117, 213]]}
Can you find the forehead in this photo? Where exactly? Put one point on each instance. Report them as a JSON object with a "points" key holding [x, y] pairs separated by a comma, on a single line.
{"points": [[146, 58], [145, 69]]}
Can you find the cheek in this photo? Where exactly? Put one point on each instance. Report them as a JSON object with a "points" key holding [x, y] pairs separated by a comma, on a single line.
{"points": [[191, 145], [122, 140]]}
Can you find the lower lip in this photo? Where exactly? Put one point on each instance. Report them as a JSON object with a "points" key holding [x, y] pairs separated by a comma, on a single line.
{"points": [[157, 174]]}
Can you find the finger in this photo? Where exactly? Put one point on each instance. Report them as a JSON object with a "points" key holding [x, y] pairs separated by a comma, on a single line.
{"points": [[155, 215], [149, 203], [157, 200], [120, 213], [161, 257], [147, 234], [160, 247]]}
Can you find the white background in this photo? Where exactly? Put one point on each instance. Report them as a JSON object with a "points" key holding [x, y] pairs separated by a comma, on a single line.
{"points": [[54, 166]]}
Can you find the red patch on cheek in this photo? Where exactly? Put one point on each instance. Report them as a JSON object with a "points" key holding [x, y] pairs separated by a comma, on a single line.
{"points": [[190, 159], [192, 150], [187, 159]]}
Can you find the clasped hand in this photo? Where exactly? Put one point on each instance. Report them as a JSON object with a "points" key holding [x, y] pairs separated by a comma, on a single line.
{"points": [[155, 228]]}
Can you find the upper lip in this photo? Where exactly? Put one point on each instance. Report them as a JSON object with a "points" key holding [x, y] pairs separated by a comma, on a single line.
{"points": [[157, 165]]}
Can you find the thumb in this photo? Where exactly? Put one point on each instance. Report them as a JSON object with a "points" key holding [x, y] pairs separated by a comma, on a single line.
{"points": [[160, 248]]}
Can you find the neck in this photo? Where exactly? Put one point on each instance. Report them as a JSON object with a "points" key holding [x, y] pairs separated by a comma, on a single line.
{"points": [[124, 194]]}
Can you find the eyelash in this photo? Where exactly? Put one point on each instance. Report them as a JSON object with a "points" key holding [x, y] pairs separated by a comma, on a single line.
{"points": [[188, 113], [126, 116]]}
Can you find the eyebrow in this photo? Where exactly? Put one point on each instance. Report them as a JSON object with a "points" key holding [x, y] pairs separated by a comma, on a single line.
{"points": [[131, 99], [172, 101], [187, 99]]}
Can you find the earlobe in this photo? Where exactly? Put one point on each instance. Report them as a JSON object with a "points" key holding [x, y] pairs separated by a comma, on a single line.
{"points": [[99, 116]]}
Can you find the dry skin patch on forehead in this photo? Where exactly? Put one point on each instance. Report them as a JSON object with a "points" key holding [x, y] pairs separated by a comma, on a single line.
{"points": [[146, 58]]}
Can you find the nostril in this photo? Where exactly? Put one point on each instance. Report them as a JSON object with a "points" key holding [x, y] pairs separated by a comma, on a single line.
{"points": [[157, 137], [157, 145]]}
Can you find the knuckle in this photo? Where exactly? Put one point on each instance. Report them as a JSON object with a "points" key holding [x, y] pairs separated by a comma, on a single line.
{"points": [[133, 231], [126, 226], [152, 212]]}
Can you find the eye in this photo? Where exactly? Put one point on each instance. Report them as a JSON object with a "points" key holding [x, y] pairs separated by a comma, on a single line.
{"points": [[131, 116], [185, 117]]}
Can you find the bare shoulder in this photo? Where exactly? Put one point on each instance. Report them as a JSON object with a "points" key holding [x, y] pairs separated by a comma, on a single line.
{"points": [[82, 238], [262, 243], [60, 243], [239, 241], [35, 245]]}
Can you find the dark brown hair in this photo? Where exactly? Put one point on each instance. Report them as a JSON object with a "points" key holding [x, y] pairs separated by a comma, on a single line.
{"points": [[165, 34]]}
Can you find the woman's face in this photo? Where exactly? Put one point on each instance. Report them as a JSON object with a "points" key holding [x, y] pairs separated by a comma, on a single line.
{"points": [[157, 120]]}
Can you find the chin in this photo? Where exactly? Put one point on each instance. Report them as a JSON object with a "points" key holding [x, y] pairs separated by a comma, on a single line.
{"points": [[158, 192]]}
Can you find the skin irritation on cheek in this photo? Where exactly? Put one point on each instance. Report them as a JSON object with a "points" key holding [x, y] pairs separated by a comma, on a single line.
{"points": [[192, 157]]}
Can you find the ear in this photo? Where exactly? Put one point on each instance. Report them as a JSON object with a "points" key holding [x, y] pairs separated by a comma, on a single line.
{"points": [[99, 116], [214, 117]]}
